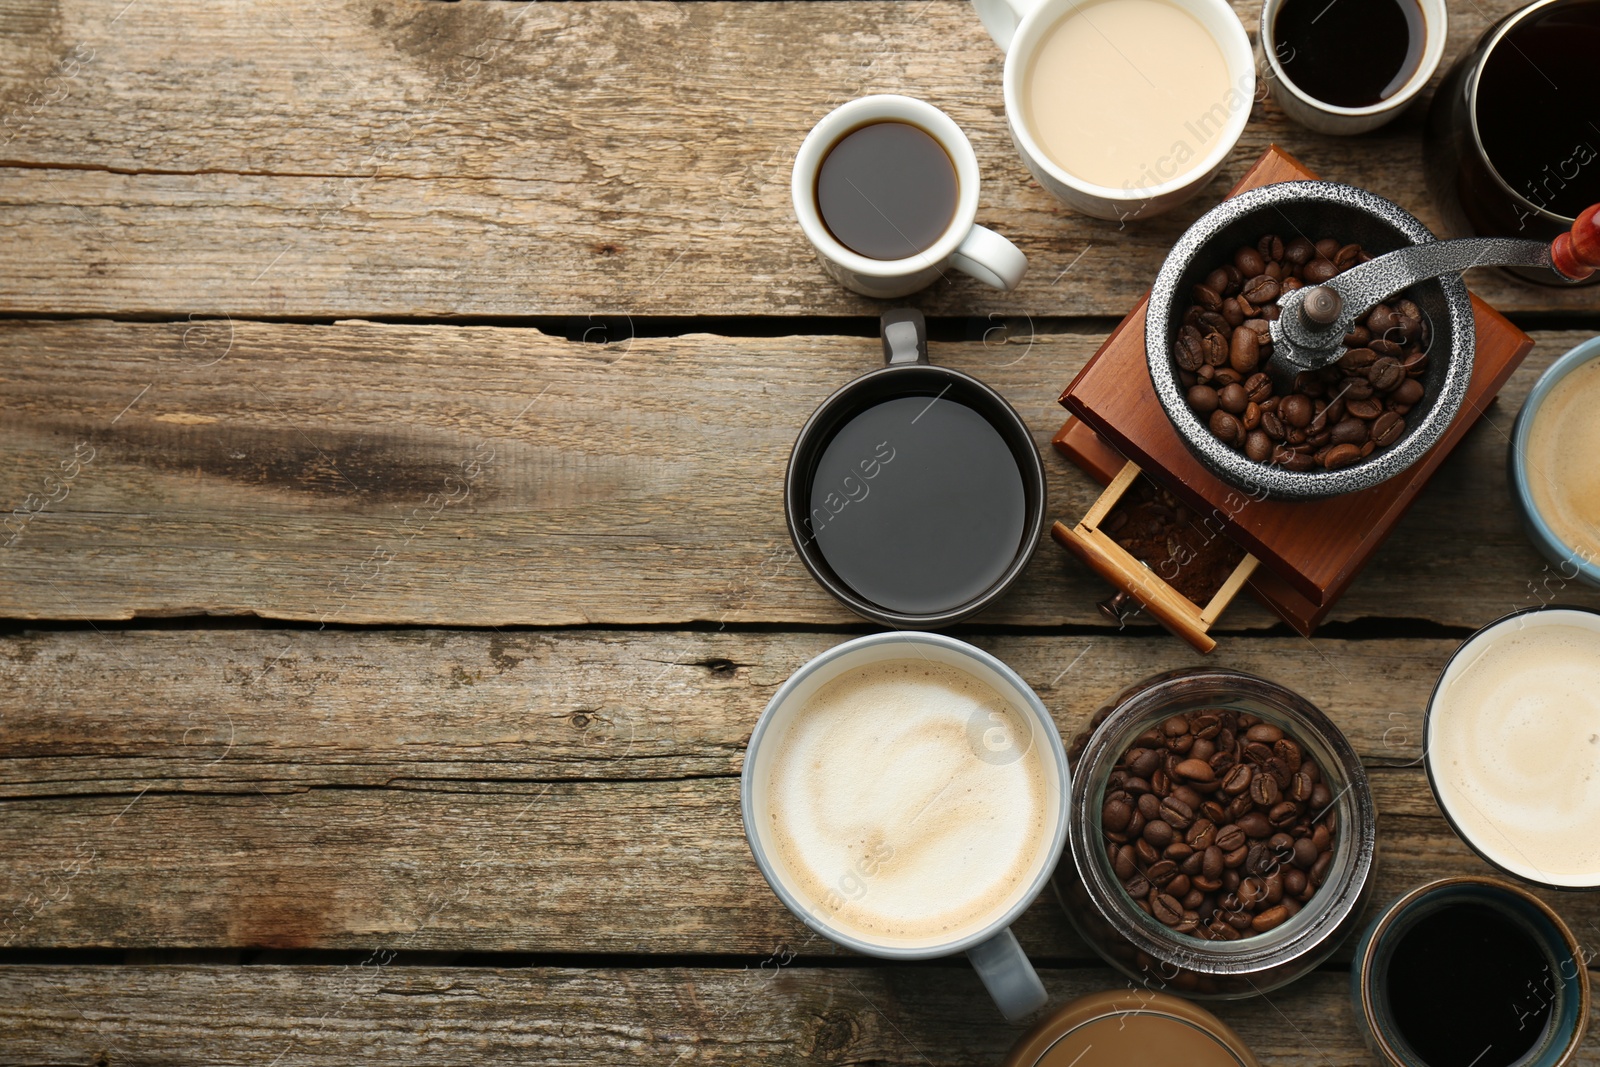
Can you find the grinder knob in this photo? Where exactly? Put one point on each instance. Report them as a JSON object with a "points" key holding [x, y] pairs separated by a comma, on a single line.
{"points": [[1576, 255]]}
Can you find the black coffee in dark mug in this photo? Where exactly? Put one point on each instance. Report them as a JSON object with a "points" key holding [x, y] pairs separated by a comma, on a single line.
{"points": [[915, 494]]}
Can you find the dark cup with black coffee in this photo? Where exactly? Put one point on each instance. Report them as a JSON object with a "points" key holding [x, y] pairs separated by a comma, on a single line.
{"points": [[915, 494], [1513, 142], [1471, 970]]}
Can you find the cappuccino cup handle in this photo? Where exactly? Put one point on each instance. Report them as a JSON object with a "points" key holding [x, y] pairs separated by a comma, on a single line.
{"points": [[1001, 18], [1007, 975], [990, 258]]}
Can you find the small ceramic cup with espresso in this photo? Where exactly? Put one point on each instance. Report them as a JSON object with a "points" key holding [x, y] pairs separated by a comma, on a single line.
{"points": [[886, 189], [905, 795], [1123, 108]]}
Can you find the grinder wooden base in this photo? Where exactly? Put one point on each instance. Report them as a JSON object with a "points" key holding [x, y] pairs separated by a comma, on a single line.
{"points": [[1309, 550]]}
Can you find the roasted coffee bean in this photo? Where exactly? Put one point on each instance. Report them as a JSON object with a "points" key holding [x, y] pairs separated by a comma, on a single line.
{"points": [[1215, 812], [1174, 812], [1238, 779], [1264, 791], [1340, 456], [1318, 271], [1264, 733], [1232, 399], [1385, 373], [1161, 872], [1116, 812], [1260, 290], [1258, 445], [1252, 891], [1248, 261], [1305, 853], [1207, 297], [1288, 750], [1364, 408], [1254, 824], [1296, 411], [1143, 761], [1349, 431], [1244, 351], [1225, 427], [1230, 837], [1167, 909], [1294, 882], [1300, 788], [1299, 251], [1357, 360], [1258, 859], [1284, 814], [1179, 884], [1319, 869], [1123, 863], [1149, 806], [1258, 387], [1381, 319], [1409, 391], [1211, 862], [1203, 399], [1270, 919], [1138, 886], [1387, 429], [1358, 336]]}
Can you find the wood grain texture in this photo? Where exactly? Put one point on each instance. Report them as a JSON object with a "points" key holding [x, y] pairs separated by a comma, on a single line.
{"points": [[362, 473], [366, 158], [519, 792], [315, 1016]]}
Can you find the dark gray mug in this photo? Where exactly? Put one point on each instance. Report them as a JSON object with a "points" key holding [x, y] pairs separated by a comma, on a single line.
{"points": [[897, 496]]}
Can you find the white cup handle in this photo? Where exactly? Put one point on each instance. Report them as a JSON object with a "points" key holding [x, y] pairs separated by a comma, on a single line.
{"points": [[1007, 975], [990, 258], [1001, 18]]}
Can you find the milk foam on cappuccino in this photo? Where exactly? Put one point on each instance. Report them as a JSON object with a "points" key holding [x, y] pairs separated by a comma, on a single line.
{"points": [[1514, 745], [906, 802]]}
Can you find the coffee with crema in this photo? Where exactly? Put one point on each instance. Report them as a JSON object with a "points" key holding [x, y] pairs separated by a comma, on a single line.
{"points": [[1562, 473], [1514, 745], [906, 803]]}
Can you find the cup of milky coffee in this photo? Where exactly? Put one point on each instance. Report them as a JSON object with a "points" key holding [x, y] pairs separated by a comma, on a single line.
{"points": [[905, 795], [1123, 108], [886, 190], [1512, 740], [1553, 472]]}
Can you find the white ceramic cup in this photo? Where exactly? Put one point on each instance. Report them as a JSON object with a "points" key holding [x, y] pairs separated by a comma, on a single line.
{"points": [[1313, 114], [964, 245], [988, 943], [1018, 27]]}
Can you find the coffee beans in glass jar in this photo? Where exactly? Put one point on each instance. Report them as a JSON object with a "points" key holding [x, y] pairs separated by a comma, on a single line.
{"points": [[1333, 417], [1218, 825]]}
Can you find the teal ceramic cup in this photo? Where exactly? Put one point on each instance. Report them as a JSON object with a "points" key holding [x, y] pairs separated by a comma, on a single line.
{"points": [[1570, 561], [1561, 996]]}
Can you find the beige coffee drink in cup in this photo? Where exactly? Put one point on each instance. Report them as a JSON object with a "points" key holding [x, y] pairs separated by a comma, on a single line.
{"points": [[905, 795], [1513, 745], [1563, 477], [1123, 108], [884, 813]]}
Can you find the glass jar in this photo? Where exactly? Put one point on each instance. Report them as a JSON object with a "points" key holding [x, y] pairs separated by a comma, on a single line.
{"points": [[1160, 958]]}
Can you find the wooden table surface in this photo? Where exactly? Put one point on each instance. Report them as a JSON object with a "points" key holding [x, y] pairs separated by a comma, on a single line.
{"points": [[394, 398]]}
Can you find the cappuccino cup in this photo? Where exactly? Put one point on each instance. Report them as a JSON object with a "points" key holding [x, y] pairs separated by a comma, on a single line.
{"points": [[1123, 108], [905, 795], [931, 228]]}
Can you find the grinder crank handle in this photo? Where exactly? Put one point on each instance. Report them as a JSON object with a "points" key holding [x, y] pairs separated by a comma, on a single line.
{"points": [[1313, 320]]}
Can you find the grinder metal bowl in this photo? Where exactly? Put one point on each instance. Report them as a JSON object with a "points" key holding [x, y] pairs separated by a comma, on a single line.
{"points": [[1313, 209]]}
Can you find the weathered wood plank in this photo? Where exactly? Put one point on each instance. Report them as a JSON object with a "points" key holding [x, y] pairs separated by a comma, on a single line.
{"points": [[521, 792], [327, 473], [181, 1016], [365, 158]]}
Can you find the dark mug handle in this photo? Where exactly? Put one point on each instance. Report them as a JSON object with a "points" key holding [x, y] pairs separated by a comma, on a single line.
{"points": [[905, 336]]}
